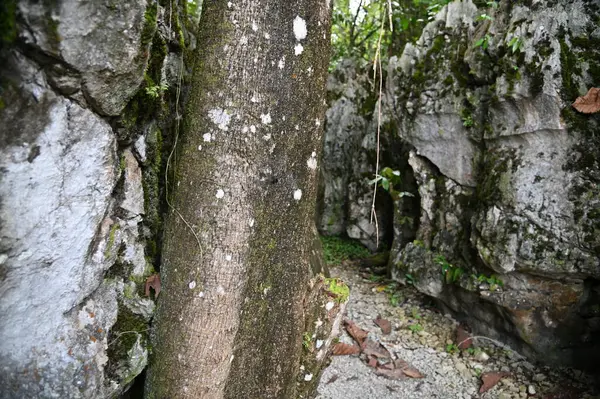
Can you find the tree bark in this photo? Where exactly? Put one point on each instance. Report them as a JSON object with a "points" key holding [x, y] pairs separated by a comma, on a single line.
{"points": [[236, 269]]}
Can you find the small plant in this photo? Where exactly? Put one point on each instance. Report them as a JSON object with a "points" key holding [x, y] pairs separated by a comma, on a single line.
{"points": [[410, 280], [415, 328], [515, 44], [415, 313], [451, 273], [155, 91], [473, 351], [468, 121], [493, 281], [338, 289], [419, 243], [388, 179], [306, 340], [337, 250], [451, 348], [484, 17], [484, 42], [396, 298], [376, 279]]}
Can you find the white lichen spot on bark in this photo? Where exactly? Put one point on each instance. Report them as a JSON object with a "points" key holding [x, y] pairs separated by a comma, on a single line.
{"points": [[228, 258], [297, 127], [254, 99], [206, 137], [281, 63], [201, 294], [245, 129], [220, 117], [243, 40], [308, 377], [267, 137], [254, 26], [312, 161], [252, 129], [220, 290], [300, 28], [229, 4], [251, 223], [192, 285], [318, 323], [317, 122], [297, 194], [319, 344], [267, 36], [220, 193], [298, 49], [200, 148], [309, 70], [265, 118], [329, 306]]}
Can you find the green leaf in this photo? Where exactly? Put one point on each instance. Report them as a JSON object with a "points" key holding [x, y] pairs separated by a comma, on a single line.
{"points": [[385, 183]]}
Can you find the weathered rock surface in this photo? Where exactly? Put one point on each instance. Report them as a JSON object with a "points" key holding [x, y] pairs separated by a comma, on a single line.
{"points": [[507, 172], [78, 209], [349, 159]]}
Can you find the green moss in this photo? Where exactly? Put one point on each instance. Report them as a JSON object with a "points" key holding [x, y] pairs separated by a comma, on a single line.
{"points": [[338, 249], [338, 289], [123, 335], [111, 239], [8, 24], [150, 23]]}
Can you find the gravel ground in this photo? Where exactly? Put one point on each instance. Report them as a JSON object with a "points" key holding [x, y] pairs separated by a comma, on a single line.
{"points": [[449, 372]]}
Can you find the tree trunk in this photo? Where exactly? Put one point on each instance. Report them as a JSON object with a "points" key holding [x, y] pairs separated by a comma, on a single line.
{"points": [[238, 294]]}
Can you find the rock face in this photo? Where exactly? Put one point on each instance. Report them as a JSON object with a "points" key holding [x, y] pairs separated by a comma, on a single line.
{"points": [[507, 171], [349, 158], [80, 201]]}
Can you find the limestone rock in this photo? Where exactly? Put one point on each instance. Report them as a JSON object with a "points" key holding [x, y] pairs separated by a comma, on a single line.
{"points": [[507, 171]]}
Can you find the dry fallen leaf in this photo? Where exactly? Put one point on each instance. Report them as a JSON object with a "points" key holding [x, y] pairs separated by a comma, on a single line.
{"points": [[463, 337], [407, 369], [374, 348], [333, 378], [385, 325], [341, 348], [490, 379], [372, 361], [153, 282], [589, 103], [355, 331], [395, 374]]}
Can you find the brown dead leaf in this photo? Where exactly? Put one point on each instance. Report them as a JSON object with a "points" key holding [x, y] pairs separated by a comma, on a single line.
{"points": [[153, 282], [589, 103], [463, 337], [355, 331], [490, 379], [395, 374], [385, 325], [407, 369], [373, 348], [341, 348], [372, 361]]}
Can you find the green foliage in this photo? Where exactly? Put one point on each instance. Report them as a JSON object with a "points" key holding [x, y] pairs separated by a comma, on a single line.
{"points": [[468, 121], [415, 328], [493, 281], [451, 273], [306, 340], [515, 44], [451, 348], [484, 42], [337, 249], [414, 311], [155, 91], [388, 179], [356, 28], [338, 288], [410, 280]]}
